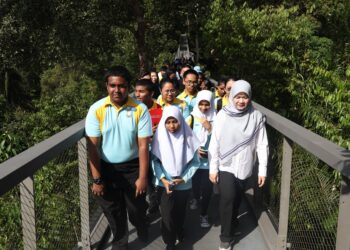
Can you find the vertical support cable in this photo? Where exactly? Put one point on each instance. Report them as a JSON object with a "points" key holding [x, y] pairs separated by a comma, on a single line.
{"points": [[26, 188], [343, 229], [285, 193], [84, 194]]}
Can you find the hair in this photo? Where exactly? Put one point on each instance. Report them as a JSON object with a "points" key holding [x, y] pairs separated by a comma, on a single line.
{"points": [[145, 83], [208, 83], [165, 81], [221, 81], [120, 71], [169, 72], [163, 68], [229, 79], [190, 71], [145, 74], [153, 70]]}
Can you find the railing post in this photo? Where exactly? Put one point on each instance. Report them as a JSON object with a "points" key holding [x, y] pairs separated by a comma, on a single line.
{"points": [[26, 188], [285, 193], [343, 239], [84, 194]]}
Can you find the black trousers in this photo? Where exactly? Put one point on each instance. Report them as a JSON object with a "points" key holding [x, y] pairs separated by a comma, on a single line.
{"points": [[231, 191], [173, 211], [119, 199], [202, 186]]}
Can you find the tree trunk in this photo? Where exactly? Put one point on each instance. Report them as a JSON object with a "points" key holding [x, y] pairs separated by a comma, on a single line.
{"points": [[140, 33]]}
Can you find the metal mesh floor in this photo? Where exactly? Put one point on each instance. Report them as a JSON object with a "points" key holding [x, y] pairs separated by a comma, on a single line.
{"points": [[203, 239]]}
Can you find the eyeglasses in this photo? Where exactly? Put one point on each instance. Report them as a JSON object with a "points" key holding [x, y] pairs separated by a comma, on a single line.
{"points": [[189, 82], [170, 91]]}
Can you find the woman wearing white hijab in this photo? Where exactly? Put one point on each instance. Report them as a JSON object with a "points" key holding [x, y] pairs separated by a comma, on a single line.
{"points": [[238, 135], [173, 147], [203, 116]]}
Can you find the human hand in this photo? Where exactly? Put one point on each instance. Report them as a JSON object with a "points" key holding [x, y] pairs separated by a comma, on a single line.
{"points": [[167, 184], [98, 189], [261, 180], [202, 153], [154, 128], [206, 125], [141, 186], [177, 181], [214, 178]]}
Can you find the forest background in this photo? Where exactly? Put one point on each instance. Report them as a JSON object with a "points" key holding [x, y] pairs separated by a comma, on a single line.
{"points": [[53, 54]]}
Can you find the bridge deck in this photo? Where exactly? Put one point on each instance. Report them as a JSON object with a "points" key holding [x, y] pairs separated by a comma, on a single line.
{"points": [[203, 239]]}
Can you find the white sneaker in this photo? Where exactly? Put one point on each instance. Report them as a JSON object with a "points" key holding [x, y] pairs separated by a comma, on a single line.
{"points": [[225, 245], [193, 204], [204, 221]]}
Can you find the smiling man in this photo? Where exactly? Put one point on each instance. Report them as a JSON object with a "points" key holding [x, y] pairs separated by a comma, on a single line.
{"points": [[190, 81], [118, 130]]}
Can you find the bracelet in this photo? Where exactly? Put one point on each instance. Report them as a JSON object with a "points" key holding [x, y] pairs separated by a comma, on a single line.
{"points": [[97, 181]]}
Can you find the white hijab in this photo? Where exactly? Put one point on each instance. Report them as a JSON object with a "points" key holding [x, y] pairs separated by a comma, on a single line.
{"points": [[177, 149], [204, 95], [239, 126]]}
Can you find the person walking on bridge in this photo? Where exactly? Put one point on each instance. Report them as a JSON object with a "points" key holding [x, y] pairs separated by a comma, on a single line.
{"points": [[118, 128], [238, 135], [190, 81], [167, 97]]}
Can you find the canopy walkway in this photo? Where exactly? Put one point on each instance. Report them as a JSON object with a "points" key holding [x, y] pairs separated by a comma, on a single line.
{"points": [[53, 208]]}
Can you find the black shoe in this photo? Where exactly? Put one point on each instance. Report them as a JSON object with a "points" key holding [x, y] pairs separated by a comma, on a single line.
{"points": [[180, 237], [170, 247], [142, 234]]}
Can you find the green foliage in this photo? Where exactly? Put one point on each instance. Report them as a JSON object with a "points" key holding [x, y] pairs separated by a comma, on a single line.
{"points": [[7, 146], [295, 70], [10, 221]]}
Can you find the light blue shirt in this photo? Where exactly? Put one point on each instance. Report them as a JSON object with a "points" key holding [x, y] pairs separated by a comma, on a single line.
{"points": [[187, 174], [119, 128], [203, 162]]}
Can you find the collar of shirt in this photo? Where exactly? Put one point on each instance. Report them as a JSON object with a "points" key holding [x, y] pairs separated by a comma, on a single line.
{"points": [[185, 94], [162, 103], [129, 103], [155, 106]]}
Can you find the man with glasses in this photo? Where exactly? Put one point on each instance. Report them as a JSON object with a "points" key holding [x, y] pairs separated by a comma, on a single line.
{"points": [[118, 128], [190, 80]]}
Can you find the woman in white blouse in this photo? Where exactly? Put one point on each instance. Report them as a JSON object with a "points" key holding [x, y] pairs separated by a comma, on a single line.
{"points": [[238, 135]]}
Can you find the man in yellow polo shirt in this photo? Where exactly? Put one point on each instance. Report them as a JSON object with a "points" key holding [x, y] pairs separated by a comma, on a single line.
{"points": [[118, 130], [189, 95]]}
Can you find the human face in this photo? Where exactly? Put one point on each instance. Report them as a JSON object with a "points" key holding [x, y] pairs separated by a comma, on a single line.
{"points": [[241, 101], [143, 94], [172, 125], [168, 93], [154, 77], [204, 106], [229, 85], [200, 78], [221, 89], [190, 82], [203, 86], [117, 89]]}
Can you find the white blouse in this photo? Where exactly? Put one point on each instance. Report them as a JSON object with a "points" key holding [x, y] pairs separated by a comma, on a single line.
{"points": [[243, 162]]}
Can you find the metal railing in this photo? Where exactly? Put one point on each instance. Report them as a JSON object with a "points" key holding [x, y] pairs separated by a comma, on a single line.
{"points": [[303, 207], [47, 186], [46, 197]]}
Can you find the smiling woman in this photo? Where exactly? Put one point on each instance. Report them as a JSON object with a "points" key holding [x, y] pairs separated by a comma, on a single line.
{"points": [[238, 134]]}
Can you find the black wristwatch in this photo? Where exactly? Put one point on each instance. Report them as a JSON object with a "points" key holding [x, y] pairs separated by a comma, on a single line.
{"points": [[97, 181]]}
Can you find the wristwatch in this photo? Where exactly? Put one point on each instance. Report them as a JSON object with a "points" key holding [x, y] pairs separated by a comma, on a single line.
{"points": [[97, 181]]}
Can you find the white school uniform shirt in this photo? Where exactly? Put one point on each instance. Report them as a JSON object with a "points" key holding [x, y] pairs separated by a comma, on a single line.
{"points": [[243, 162]]}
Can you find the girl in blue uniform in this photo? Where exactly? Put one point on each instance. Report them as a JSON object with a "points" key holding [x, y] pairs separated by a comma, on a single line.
{"points": [[173, 147], [202, 117]]}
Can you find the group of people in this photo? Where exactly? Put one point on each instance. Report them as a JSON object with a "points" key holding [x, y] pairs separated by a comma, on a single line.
{"points": [[176, 145]]}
